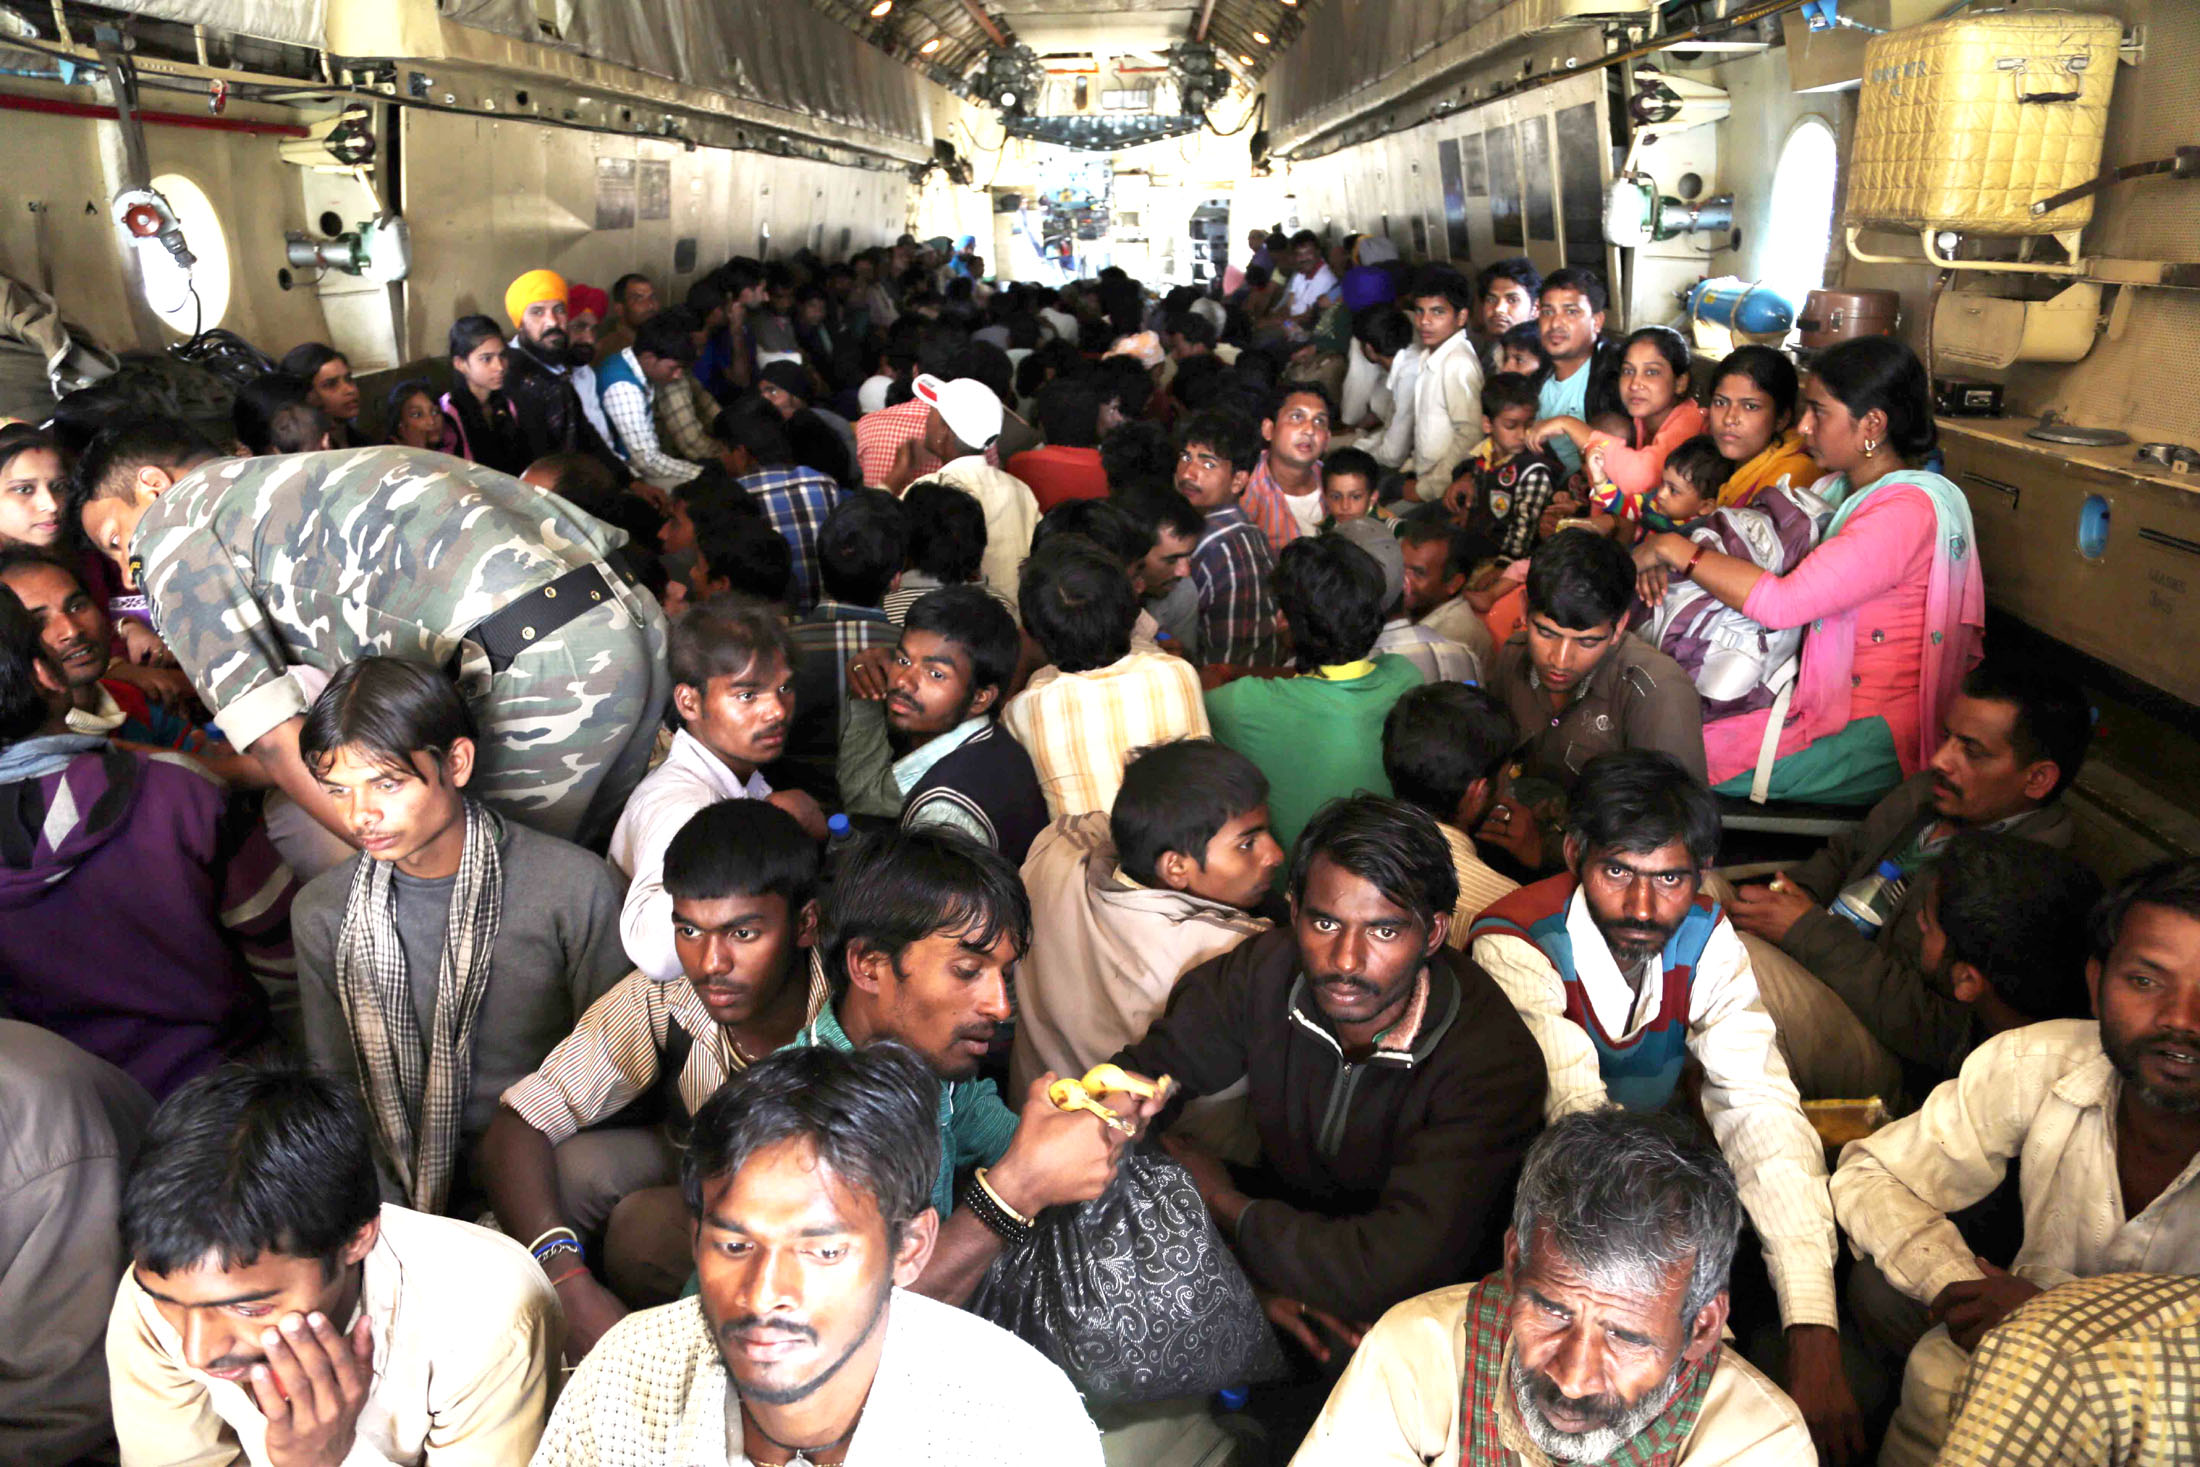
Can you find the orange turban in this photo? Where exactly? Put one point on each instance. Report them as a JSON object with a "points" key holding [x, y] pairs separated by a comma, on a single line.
{"points": [[535, 285]]}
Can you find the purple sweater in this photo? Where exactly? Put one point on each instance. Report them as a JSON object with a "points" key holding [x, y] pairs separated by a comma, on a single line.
{"points": [[134, 908]]}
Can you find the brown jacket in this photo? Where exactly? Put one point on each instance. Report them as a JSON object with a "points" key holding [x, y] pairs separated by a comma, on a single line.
{"points": [[1636, 698]]}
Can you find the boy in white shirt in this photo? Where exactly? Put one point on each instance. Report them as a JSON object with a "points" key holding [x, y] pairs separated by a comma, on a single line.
{"points": [[1447, 394]]}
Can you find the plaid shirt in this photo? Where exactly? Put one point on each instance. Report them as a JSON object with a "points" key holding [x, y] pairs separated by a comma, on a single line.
{"points": [[1265, 506], [879, 434], [680, 422], [1232, 568], [627, 405], [2104, 1372], [795, 501]]}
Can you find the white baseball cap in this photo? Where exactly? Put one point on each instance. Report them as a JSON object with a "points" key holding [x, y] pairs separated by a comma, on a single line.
{"points": [[972, 412]]}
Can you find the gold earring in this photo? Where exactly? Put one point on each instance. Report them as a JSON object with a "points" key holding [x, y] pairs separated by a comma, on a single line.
{"points": [[1871, 446]]}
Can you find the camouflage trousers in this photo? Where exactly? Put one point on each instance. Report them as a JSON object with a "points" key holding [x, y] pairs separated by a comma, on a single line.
{"points": [[567, 727]]}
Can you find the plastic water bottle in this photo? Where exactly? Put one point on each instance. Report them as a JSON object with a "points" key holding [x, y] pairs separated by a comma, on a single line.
{"points": [[1868, 901], [839, 835]]}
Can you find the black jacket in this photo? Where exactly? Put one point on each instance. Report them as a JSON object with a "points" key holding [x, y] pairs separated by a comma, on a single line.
{"points": [[1384, 1178], [550, 415]]}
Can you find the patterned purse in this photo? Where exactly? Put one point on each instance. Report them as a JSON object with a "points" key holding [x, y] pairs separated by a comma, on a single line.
{"points": [[1134, 1294]]}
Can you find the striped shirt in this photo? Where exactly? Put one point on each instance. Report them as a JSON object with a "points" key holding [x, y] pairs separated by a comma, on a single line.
{"points": [[2104, 1372], [879, 434], [914, 586], [1266, 505], [1480, 888], [1440, 659], [795, 502], [613, 1055], [1081, 727], [1231, 570]]}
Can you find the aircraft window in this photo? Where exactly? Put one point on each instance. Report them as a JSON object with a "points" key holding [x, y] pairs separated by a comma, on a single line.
{"points": [[1793, 254], [169, 288]]}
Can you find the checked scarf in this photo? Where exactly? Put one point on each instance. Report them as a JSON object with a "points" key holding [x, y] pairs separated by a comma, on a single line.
{"points": [[1490, 1432], [416, 1091]]}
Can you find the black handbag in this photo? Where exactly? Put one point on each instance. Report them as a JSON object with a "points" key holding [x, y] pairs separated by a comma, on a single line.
{"points": [[1134, 1294]]}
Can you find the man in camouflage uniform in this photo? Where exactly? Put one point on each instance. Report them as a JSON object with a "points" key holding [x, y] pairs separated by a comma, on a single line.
{"points": [[258, 567]]}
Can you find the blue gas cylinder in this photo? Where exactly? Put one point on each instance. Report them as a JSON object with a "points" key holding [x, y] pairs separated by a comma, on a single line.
{"points": [[1741, 306]]}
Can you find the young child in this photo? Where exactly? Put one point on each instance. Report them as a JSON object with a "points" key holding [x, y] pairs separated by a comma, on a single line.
{"points": [[1738, 666], [1521, 350], [1506, 484], [1688, 488], [299, 428], [1349, 477]]}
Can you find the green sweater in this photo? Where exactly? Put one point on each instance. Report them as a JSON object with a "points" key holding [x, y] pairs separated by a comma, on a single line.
{"points": [[1315, 738]]}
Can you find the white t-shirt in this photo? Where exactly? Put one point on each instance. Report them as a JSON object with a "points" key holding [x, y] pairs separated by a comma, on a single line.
{"points": [[1307, 289], [690, 778]]}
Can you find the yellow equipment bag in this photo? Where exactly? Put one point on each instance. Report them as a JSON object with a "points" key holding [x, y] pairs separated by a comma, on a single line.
{"points": [[1961, 124]]}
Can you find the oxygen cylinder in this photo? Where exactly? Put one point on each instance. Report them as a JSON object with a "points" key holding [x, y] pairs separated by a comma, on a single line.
{"points": [[1747, 310]]}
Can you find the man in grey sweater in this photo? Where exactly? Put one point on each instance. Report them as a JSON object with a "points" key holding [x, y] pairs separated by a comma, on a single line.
{"points": [[438, 966]]}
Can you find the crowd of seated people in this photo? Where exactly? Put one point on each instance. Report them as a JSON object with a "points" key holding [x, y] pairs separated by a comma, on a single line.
{"points": [[541, 902]]}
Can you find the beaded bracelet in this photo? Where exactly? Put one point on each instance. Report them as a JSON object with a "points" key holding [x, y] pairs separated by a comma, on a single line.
{"points": [[1006, 1224], [1000, 1201]]}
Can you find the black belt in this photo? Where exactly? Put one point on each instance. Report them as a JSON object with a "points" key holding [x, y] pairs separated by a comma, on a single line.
{"points": [[507, 633]]}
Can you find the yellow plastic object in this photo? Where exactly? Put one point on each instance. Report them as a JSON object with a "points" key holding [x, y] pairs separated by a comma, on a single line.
{"points": [[1972, 329], [1071, 1093], [1962, 123]]}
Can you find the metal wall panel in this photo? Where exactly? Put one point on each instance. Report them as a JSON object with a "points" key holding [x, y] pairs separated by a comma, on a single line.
{"points": [[782, 54], [489, 198], [53, 164]]}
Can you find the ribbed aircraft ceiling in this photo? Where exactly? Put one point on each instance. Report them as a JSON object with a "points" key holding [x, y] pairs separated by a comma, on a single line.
{"points": [[948, 40]]}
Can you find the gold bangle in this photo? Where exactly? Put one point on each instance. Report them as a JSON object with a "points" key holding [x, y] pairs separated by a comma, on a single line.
{"points": [[1002, 1202]]}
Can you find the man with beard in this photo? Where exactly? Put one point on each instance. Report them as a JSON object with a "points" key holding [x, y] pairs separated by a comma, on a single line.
{"points": [[1393, 1089], [540, 372], [808, 1178], [1853, 1006], [1627, 974], [1599, 1342], [2105, 1116], [923, 932]]}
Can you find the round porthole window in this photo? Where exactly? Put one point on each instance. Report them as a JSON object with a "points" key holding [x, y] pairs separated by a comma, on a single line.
{"points": [[2093, 527], [191, 300], [1799, 226]]}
